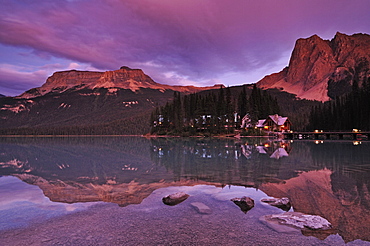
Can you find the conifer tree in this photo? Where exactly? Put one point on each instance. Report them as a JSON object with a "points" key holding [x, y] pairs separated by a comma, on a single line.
{"points": [[243, 103], [347, 112]]}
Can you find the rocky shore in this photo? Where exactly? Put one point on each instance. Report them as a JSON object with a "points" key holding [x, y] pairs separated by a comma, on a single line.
{"points": [[154, 223]]}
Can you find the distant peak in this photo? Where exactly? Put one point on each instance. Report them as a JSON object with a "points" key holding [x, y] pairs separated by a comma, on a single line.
{"points": [[322, 69], [340, 34], [311, 38], [125, 68], [128, 69], [314, 39], [315, 36]]}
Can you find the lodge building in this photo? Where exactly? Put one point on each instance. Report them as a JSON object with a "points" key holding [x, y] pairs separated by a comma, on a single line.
{"points": [[273, 123]]}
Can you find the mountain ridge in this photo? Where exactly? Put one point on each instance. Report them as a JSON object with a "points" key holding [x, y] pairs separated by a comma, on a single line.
{"points": [[123, 78], [120, 102], [88, 103], [323, 69]]}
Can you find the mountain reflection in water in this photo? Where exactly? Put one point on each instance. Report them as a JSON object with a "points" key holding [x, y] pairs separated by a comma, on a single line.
{"points": [[330, 179]]}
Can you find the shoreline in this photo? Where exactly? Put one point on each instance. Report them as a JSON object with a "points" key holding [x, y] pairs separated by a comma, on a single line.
{"points": [[71, 136], [143, 224], [143, 135]]}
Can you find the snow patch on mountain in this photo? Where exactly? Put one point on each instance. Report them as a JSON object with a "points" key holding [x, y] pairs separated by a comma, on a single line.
{"points": [[124, 78]]}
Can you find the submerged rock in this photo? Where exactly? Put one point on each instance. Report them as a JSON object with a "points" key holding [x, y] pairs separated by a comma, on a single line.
{"points": [[175, 198], [245, 203], [299, 220], [201, 208], [283, 203]]}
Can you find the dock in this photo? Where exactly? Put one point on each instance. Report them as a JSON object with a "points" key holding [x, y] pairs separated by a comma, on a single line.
{"points": [[328, 135]]}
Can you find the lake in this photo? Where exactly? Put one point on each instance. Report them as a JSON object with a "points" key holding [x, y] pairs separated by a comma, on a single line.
{"points": [[109, 190]]}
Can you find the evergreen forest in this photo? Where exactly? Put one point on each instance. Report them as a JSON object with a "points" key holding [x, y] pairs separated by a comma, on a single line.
{"points": [[351, 111], [215, 112]]}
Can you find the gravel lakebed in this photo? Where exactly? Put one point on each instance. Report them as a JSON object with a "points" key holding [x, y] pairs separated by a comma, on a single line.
{"points": [[154, 223]]}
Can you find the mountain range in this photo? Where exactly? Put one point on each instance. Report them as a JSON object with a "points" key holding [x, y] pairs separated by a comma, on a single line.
{"points": [[322, 69], [92, 102], [123, 78], [120, 101]]}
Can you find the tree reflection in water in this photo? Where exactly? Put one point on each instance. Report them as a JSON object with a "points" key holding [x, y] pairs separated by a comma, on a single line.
{"points": [[226, 161], [331, 179]]}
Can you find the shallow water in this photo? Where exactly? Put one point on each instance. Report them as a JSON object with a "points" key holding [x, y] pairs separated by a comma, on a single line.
{"points": [[62, 176]]}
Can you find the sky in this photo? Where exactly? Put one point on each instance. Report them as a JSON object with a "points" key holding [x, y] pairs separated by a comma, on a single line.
{"points": [[176, 42]]}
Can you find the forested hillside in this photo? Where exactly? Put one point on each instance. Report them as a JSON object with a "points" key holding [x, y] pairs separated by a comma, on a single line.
{"points": [[351, 111], [83, 112]]}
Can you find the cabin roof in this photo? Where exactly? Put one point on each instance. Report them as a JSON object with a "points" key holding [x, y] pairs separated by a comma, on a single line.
{"points": [[277, 119], [260, 123], [278, 153]]}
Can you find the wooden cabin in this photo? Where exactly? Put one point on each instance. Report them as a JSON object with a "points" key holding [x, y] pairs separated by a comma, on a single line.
{"points": [[277, 123]]}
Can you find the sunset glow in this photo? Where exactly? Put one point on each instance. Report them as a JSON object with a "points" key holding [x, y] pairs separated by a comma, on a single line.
{"points": [[175, 42]]}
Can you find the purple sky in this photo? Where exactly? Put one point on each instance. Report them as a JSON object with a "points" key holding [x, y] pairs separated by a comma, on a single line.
{"points": [[198, 42]]}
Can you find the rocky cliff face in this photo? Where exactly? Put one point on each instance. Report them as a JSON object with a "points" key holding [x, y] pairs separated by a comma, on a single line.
{"points": [[123, 78], [322, 69]]}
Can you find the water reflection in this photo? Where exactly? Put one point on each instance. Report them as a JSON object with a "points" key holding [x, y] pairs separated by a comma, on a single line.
{"points": [[125, 160], [274, 149], [330, 179], [21, 204], [226, 161]]}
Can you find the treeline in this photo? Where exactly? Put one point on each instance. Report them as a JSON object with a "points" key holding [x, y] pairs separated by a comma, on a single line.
{"points": [[214, 112], [348, 112]]}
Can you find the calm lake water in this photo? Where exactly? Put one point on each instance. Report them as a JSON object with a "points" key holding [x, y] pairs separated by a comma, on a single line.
{"points": [[46, 178]]}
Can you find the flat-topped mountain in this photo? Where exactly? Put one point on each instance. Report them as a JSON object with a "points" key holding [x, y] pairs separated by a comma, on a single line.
{"points": [[121, 101], [322, 69], [83, 102], [123, 78]]}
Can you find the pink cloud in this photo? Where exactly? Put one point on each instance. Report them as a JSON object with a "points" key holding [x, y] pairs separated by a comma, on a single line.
{"points": [[193, 40], [17, 79], [14, 81]]}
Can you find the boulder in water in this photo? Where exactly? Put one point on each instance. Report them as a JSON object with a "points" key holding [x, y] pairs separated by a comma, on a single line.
{"points": [[175, 198]]}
